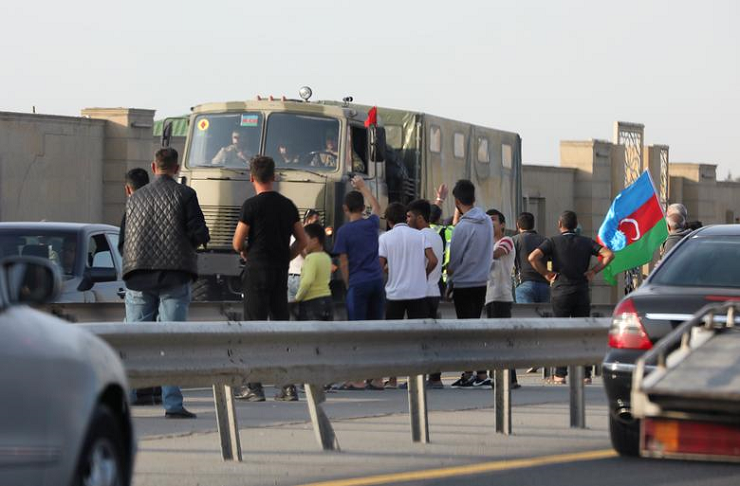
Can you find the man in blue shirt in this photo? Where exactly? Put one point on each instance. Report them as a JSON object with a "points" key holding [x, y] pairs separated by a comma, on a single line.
{"points": [[356, 245]]}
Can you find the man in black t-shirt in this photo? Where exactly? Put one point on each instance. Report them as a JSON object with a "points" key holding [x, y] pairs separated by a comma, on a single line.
{"points": [[531, 286], [570, 275], [262, 238]]}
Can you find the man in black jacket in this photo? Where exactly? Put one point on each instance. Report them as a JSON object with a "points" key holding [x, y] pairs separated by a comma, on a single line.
{"points": [[163, 226]]}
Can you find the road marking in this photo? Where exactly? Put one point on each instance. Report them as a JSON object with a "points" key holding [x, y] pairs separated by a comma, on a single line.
{"points": [[471, 469]]}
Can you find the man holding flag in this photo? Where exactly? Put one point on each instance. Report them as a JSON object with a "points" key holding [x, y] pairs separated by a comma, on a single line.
{"points": [[634, 227], [571, 257]]}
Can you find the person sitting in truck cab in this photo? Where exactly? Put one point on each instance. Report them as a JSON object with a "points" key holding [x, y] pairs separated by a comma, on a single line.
{"points": [[234, 155], [286, 155], [328, 156]]}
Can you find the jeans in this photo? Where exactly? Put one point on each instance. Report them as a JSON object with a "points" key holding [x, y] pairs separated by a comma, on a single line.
{"points": [[366, 301], [571, 304], [531, 292], [265, 294], [163, 305], [321, 309], [294, 281]]}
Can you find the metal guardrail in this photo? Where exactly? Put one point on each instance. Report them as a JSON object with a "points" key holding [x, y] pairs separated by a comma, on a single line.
{"points": [[226, 354], [232, 311]]}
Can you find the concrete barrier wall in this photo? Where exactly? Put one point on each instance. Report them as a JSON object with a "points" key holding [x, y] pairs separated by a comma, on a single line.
{"points": [[50, 168]]}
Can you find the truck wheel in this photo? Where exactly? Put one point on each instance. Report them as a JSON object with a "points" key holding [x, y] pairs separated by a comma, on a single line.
{"points": [[625, 436], [101, 461], [202, 290]]}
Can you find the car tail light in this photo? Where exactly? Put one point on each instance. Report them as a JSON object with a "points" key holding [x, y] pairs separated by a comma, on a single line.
{"points": [[667, 437], [627, 331]]}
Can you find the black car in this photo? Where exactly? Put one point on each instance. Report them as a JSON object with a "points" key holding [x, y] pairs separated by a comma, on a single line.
{"points": [[703, 268]]}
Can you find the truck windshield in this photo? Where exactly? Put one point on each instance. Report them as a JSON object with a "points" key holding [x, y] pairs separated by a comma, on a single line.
{"points": [[712, 261], [301, 141], [60, 248], [225, 140]]}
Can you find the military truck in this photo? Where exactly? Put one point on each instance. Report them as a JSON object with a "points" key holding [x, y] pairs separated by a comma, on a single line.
{"points": [[318, 147]]}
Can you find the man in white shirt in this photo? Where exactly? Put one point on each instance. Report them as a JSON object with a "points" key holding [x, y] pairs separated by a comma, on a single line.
{"points": [[402, 251], [499, 294], [417, 217]]}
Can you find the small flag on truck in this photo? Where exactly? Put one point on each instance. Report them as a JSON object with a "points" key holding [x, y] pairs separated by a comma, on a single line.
{"points": [[634, 227], [372, 117]]}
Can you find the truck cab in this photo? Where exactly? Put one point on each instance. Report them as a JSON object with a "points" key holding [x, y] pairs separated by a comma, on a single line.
{"points": [[316, 148]]}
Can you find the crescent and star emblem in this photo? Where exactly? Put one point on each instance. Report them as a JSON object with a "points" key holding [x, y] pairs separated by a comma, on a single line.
{"points": [[635, 224]]}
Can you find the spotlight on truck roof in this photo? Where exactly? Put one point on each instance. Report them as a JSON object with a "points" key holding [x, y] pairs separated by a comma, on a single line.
{"points": [[305, 93]]}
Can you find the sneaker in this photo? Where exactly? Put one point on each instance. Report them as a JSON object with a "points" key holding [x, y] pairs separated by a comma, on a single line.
{"points": [[255, 394], [286, 394], [479, 382], [180, 414], [515, 386], [464, 382]]}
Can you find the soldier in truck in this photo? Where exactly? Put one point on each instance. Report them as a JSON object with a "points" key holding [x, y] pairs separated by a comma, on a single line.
{"points": [[234, 155]]}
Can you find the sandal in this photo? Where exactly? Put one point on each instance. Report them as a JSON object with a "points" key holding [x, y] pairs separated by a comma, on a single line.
{"points": [[559, 380]]}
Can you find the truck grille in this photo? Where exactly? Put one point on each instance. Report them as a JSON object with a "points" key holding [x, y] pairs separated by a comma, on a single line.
{"points": [[221, 222]]}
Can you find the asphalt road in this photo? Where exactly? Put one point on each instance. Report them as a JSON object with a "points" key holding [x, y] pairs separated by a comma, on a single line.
{"points": [[279, 447]]}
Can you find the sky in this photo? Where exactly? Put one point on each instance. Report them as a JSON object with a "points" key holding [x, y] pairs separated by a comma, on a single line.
{"points": [[548, 70]]}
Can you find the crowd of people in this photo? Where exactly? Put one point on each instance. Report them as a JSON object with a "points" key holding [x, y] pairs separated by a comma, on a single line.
{"points": [[402, 272]]}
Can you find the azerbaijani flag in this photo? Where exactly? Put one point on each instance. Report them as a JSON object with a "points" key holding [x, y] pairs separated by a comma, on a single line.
{"points": [[634, 227]]}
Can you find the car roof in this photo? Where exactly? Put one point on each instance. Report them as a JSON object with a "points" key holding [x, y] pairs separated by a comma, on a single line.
{"points": [[719, 230], [56, 226]]}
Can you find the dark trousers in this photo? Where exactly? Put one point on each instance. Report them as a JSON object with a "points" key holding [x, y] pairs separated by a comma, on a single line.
{"points": [[469, 304], [413, 308], [432, 306], [576, 303], [321, 309], [265, 297], [265, 294], [501, 310]]}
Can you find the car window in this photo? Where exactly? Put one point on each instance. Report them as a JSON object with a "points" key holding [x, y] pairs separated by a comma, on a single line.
{"points": [[702, 262], [58, 247], [113, 242], [99, 253]]}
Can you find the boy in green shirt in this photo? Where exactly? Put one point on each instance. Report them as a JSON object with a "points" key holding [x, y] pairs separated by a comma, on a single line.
{"points": [[314, 295]]}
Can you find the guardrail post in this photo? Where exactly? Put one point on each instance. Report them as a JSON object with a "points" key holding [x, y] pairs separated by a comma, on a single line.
{"points": [[577, 397], [228, 429], [502, 404], [418, 409], [322, 428]]}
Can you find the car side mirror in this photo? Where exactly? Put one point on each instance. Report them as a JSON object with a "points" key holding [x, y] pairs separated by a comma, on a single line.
{"points": [[31, 280], [95, 275], [376, 137]]}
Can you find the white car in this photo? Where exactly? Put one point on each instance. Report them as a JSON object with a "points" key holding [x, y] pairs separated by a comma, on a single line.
{"points": [[64, 413]]}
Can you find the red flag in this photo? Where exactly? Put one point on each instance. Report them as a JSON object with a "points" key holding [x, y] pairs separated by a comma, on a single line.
{"points": [[372, 117]]}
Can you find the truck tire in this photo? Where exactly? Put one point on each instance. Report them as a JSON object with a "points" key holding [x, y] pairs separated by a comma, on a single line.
{"points": [[625, 436], [202, 290]]}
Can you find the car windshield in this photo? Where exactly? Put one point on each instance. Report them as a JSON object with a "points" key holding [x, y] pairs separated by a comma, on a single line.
{"points": [[60, 248], [702, 262], [303, 142], [225, 140]]}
